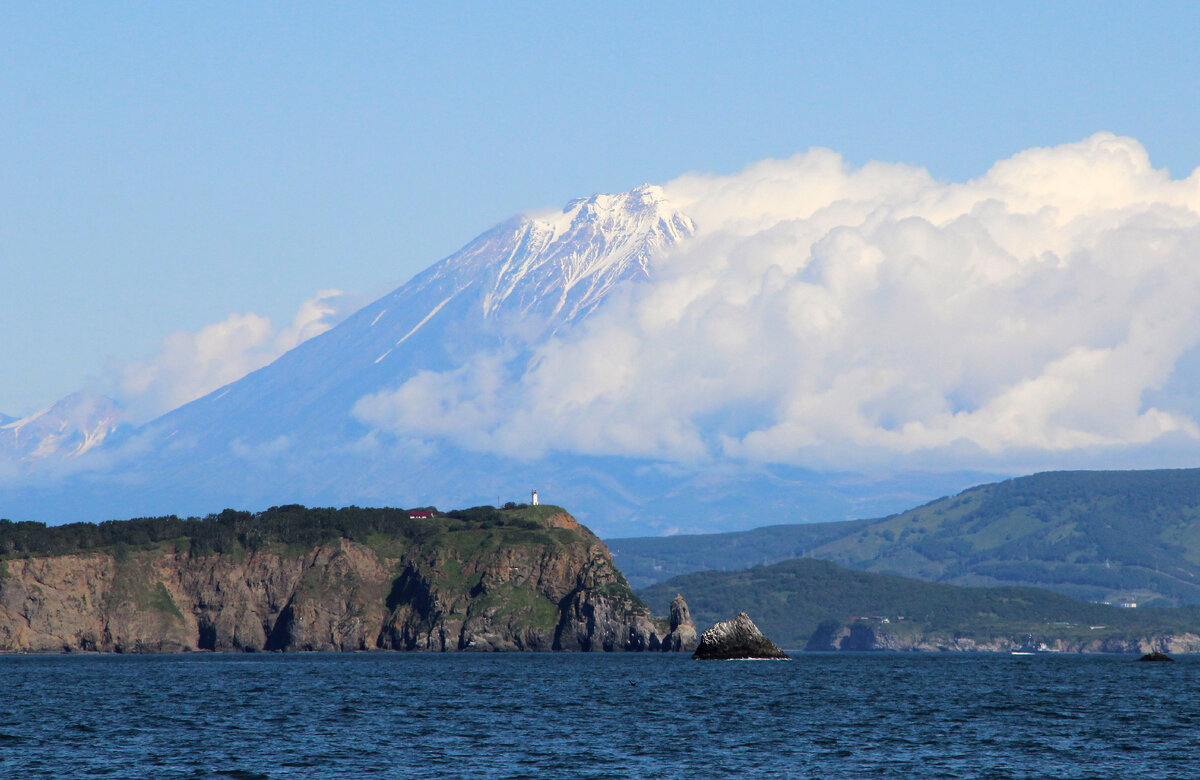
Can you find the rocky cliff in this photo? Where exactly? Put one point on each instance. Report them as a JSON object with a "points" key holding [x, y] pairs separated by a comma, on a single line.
{"points": [[525, 579]]}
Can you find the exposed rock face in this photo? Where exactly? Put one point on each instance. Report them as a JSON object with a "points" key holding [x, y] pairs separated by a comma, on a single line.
{"points": [[681, 634], [736, 638], [1157, 658], [554, 588]]}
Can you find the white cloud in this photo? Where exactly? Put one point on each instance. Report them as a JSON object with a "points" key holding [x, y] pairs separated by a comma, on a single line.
{"points": [[825, 315], [189, 365]]}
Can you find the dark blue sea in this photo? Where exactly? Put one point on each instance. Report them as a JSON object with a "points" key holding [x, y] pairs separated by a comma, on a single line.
{"points": [[602, 716]]}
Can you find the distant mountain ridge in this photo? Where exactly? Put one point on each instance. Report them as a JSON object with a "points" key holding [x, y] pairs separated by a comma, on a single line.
{"points": [[1093, 535]]}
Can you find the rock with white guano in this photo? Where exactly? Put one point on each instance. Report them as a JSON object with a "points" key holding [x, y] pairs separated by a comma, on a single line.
{"points": [[736, 638]]}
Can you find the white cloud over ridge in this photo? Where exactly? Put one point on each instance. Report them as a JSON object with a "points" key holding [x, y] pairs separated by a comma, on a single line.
{"points": [[830, 316], [189, 365]]}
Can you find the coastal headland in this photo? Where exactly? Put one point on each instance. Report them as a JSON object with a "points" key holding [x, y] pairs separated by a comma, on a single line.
{"points": [[296, 579]]}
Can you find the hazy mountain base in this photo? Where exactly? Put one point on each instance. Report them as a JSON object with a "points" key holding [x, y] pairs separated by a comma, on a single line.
{"points": [[522, 579], [815, 604], [619, 495], [1092, 535]]}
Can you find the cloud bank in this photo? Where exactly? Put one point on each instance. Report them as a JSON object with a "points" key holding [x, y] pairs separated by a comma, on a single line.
{"points": [[832, 316], [189, 365]]}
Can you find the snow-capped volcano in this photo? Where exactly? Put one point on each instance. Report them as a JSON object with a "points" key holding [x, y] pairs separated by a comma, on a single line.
{"points": [[507, 289], [550, 269], [294, 431], [288, 432]]}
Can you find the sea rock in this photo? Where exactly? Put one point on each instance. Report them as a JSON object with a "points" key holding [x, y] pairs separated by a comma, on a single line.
{"points": [[681, 633], [1157, 656], [736, 638]]}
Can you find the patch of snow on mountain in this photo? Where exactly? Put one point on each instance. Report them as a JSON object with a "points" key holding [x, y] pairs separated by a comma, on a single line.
{"points": [[426, 319], [72, 426]]}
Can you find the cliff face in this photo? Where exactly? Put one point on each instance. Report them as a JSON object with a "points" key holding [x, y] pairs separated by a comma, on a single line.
{"points": [[551, 587]]}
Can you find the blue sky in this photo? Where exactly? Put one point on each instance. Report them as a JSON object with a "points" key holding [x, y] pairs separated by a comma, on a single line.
{"points": [[165, 166]]}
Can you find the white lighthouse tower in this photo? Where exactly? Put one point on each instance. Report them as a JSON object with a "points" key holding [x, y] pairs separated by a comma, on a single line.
{"points": [[535, 501]]}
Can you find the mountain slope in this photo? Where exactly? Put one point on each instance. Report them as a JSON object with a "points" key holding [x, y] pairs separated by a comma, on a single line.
{"points": [[1096, 535], [506, 289]]}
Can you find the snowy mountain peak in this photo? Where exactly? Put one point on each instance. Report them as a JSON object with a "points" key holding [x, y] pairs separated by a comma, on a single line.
{"points": [[648, 198], [535, 273], [560, 265], [643, 208]]}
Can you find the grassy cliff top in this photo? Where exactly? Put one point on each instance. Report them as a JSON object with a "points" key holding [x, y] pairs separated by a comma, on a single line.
{"points": [[293, 526]]}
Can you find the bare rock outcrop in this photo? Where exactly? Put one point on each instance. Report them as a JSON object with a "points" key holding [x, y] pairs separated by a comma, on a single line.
{"points": [[681, 632], [735, 639]]}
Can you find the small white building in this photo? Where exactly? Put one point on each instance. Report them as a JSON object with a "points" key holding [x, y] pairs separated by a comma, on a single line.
{"points": [[535, 500]]}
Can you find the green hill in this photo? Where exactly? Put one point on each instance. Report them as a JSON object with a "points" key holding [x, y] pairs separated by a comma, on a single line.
{"points": [[1093, 535], [646, 560], [792, 600]]}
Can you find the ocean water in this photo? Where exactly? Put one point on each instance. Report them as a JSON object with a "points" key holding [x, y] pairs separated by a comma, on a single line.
{"points": [[601, 716]]}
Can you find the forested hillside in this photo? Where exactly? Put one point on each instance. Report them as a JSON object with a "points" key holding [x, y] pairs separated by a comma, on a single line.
{"points": [[791, 600], [1093, 535]]}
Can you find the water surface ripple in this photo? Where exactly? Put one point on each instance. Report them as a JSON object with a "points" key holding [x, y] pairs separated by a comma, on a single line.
{"points": [[601, 716]]}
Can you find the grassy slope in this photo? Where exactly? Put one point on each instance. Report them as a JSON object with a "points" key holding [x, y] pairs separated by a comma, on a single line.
{"points": [[1091, 535], [650, 559], [789, 600]]}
